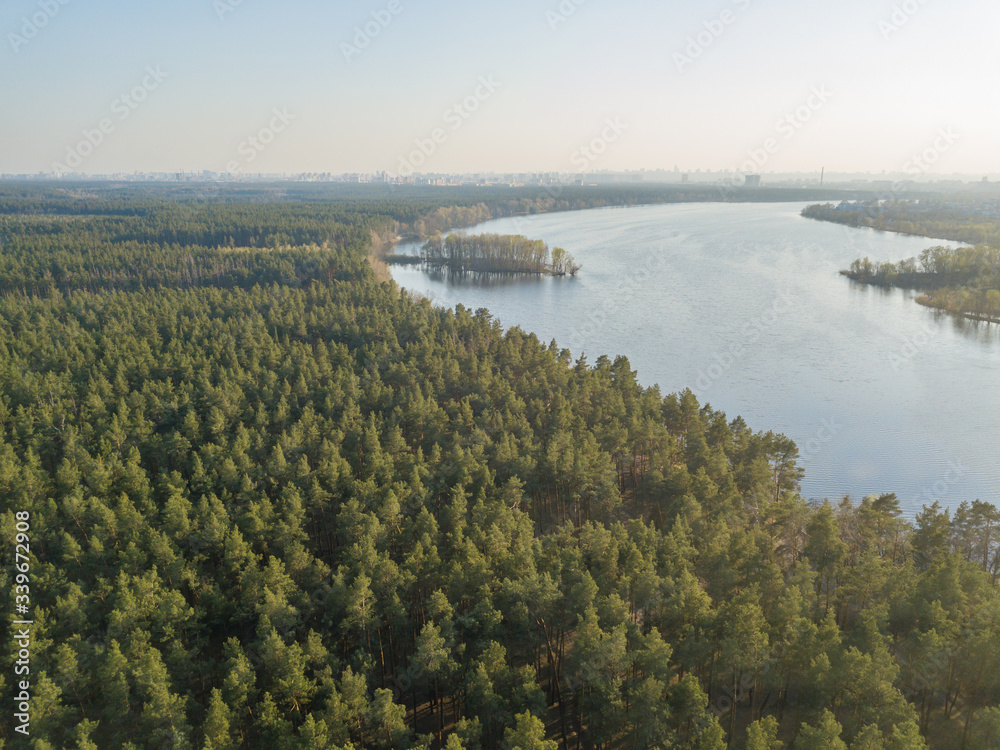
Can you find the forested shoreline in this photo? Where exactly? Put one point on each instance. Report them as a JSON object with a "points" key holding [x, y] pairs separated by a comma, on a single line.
{"points": [[277, 503], [963, 281], [970, 219]]}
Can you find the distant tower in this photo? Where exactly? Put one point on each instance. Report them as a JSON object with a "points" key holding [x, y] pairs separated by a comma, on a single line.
{"points": [[752, 180], [822, 174]]}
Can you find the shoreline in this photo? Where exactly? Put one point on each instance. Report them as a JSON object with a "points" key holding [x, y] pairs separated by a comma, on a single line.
{"points": [[892, 231], [924, 301]]}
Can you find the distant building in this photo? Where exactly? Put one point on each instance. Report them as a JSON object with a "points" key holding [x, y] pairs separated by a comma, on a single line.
{"points": [[752, 180]]}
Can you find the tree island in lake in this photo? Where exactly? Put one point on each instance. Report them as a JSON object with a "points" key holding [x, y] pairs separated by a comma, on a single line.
{"points": [[497, 253], [963, 281]]}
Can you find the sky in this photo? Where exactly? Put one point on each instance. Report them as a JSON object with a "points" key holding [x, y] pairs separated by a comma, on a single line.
{"points": [[410, 86]]}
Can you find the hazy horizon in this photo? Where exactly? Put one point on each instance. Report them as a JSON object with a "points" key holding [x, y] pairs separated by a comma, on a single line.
{"points": [[240, 86]]}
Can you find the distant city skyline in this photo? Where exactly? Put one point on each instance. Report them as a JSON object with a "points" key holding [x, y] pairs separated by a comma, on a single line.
{"points": [[244, 87], [665, 176]]}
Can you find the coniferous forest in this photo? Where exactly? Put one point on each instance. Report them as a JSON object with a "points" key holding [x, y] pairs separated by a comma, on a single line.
{"points": [[277, 503]]}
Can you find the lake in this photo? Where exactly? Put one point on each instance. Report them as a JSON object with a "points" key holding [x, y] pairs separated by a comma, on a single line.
{"points": [[743, 304]]}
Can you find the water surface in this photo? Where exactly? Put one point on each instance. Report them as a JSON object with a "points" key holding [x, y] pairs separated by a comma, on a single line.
{"points": [[744, 305]]}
